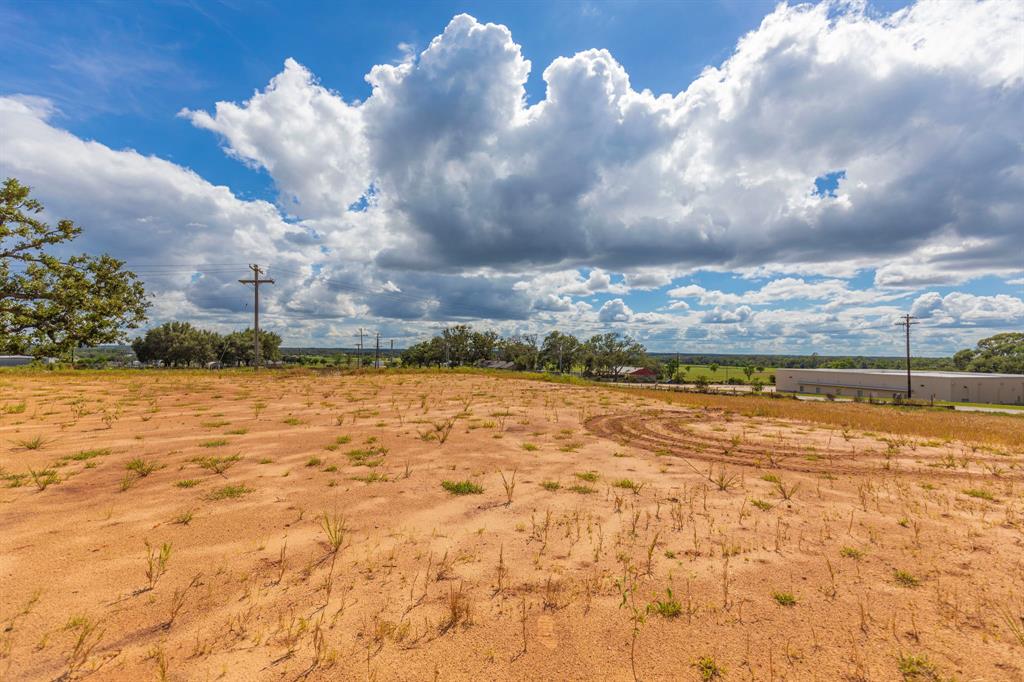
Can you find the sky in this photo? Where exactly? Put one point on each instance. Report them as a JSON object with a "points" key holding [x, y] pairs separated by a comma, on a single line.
{"points": [[730, 176]]}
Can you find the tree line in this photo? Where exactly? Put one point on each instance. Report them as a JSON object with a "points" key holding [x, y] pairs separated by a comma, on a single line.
{"points": [[461, 345], [1003, 353], [179, 344]]}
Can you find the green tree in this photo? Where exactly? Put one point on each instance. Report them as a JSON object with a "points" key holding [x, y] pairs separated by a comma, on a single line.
{"points": [[482, 345], [611, 352], [236, 348], [560, 351], [1003, 353], [749, 371], [520, 349], [458, 340], [50, 306], [177, 344]]}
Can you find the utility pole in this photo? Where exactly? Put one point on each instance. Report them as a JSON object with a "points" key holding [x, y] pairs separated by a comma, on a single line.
{"points": [[256, 282], [376, 354], [907, 321], [359, 355], [391, 355]]}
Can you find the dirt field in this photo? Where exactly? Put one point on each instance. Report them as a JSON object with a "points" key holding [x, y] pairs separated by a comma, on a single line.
{"points": [[193, 526]]}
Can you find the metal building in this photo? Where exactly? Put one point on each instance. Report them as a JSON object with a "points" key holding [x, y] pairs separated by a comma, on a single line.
{"points": [[967, 387], [15, 360]]}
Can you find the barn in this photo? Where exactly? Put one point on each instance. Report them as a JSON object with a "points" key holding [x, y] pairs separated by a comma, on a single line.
{"points": [[638, 374], [967, 387]]}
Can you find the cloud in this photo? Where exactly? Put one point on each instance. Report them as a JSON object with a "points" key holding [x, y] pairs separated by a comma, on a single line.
{"points": [[469, 203], [134, 206], [614, 310], [785, 289], [310, 141], [962, 309], [598, 174], [720, 315]]}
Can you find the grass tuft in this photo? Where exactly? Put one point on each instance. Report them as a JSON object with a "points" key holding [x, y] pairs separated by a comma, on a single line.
{"points": [[462, 487], [229, 492], [784, 598], [905, 579], [708, 669]]}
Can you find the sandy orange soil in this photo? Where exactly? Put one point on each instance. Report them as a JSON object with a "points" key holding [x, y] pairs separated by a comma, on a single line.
{"points": [[194, 526]]}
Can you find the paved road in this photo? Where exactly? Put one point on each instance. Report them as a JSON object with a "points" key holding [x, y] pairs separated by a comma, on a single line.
{"points": [[1000, 410]]}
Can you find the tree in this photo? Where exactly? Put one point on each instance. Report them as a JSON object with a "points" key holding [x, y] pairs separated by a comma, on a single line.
{"points": [[520, 349], [559, 351], [749, 371], [177, 344], [713, 367], [236, 348], [482, 345], [424, 354], [458, 340], [670, 369], [50, 306], [611, 352], [1002, 353]]}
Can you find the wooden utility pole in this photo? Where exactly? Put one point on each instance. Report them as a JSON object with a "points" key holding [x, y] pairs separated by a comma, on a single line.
{"points": [[256, 282], [376, 353], [906, 322], [359, 356]]}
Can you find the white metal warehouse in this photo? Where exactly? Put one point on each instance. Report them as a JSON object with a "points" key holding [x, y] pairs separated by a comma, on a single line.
{"points": [[968, 387]]}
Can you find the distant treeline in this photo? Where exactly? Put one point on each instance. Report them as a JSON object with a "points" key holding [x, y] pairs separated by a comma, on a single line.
{"points": [[813, 361], [461, 345]]}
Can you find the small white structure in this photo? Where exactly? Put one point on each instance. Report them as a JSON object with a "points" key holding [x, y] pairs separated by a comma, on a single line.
{"points": [[966, 387], [15, 360]]}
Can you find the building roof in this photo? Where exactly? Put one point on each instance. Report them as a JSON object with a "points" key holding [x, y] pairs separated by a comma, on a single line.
{"points": [[630, 370], [496, 364], [902, 372]]}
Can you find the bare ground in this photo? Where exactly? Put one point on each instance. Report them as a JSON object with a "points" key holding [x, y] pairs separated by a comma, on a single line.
{"points": [[309, 535]]}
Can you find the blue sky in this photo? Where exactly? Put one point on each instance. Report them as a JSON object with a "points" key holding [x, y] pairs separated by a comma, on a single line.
{"points": [[720, 176]]}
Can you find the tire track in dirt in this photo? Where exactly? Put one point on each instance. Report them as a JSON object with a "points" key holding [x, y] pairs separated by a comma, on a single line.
{"points": [[678, 433]]}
